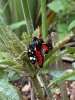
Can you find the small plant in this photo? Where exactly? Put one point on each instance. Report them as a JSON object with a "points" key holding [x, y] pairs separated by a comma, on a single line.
{"points": [[14, 46]]}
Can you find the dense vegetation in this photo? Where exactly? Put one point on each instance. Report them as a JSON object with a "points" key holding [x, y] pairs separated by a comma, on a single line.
{"points": [[20, 21]]}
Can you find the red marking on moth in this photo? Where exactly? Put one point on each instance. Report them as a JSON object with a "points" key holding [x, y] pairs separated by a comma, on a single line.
{"points": [[39, 57]]}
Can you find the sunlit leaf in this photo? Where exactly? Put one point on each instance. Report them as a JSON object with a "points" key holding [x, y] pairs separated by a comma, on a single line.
{"points": [[62, 30], [71, 25], [56, 6], [17, 25]]}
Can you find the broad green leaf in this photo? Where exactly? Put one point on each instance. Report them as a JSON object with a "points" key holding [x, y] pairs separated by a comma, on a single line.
{"points": [[65, 3], [62, 30], [3, 96], [8, 91], [17, 25], [56, 6], [71, 25]]}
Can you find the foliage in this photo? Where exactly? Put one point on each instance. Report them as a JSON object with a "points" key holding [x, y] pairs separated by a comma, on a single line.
{"points": [[58, 6], [72, 25], [17, 25], [27, 16], [6, 89], [13, 46], [63, 77]]}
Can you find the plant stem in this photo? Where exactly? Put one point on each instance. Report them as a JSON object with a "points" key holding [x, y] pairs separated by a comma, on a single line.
{"points": [[49, 94], [43, 12], [63, 91], [37, 88]]}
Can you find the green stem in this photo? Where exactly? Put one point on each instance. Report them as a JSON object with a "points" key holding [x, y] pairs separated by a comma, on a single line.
{"points": [[43, 12], [37, 88], [48, 91]]}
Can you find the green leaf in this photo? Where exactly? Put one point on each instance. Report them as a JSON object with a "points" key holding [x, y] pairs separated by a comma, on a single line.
{"points": [[17, 25], [1, 19], [56, 6], [10, 40], [3, 47], [56, 73], [3, 96], [43, 71], [33, 5], [3, 9], [71, 25], [27, 16], [3, 36], [8, 91], [62, 30], [1, 56], [15, 10], [2, 74], [43, 12], [62, 78], [13, 76], [73, 65], [53, 90], [7, 62], [52, 58], [70, 49]]}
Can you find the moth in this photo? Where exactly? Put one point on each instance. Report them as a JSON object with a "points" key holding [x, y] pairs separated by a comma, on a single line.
{"points": [[36, 51]]}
